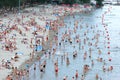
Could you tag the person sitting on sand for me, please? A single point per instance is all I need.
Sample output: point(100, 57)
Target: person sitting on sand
point(16, 56)
point(3, 62)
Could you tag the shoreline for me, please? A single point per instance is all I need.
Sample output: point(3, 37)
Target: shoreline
point(45, 46)
point(51, 36)
point(41, 53)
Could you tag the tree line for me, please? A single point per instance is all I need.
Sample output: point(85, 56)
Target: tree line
point(15, 3)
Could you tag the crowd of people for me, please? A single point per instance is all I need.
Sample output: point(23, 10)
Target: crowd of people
point(23, 29)
point(88, 46)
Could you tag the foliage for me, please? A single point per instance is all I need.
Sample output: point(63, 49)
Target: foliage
point(15, 3)
point(85, 1)
point(99, 3)
point(69, 2)
point(8, 3)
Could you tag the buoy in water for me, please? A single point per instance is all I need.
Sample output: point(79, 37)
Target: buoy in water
point(108, 47)
point(110, 59)
point(106, 31)
point(108, 52)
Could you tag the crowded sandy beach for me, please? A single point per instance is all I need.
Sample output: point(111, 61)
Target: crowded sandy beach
point(23, 36)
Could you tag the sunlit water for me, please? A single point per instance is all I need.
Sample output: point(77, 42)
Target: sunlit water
point(111, 19)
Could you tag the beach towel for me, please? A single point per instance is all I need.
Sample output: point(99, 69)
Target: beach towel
point(20, 53)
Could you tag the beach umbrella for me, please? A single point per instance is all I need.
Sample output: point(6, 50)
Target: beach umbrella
point(38, 48)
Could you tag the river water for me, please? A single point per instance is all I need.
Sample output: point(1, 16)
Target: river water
point(105, 24)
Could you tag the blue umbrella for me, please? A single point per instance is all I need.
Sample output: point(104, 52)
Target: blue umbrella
point(38, 48)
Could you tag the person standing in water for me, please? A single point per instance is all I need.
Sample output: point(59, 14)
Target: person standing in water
point(76, 74)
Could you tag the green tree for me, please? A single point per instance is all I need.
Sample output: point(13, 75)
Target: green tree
point(10, 3)
point(85, 1)
point(40, 1)
point(1, 3)
point(69, 2)
point(15, 3)
point(99, 3)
